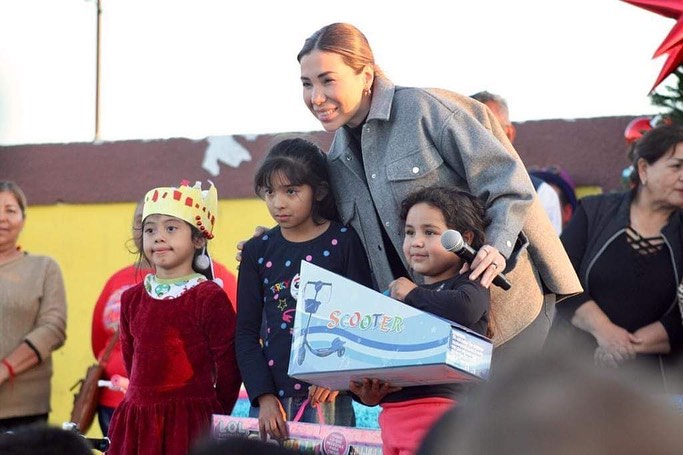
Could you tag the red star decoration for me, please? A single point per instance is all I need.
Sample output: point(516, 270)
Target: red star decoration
point(673, 43)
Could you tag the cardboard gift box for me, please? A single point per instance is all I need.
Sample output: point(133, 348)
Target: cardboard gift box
point(344, 331)
point(305, 437)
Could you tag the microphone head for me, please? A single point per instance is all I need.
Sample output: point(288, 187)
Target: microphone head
point(452, 240)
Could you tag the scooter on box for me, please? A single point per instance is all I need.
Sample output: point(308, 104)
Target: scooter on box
point(311, 306)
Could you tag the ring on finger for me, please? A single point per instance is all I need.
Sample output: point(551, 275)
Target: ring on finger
point(494, 265)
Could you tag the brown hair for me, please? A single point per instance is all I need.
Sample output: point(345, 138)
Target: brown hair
point(345, 40)
point(11, 187)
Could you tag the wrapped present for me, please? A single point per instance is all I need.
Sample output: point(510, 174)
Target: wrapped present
point(344, 331)
point(306, 437)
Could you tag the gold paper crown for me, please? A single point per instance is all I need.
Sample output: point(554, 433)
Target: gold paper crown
point(191, 204)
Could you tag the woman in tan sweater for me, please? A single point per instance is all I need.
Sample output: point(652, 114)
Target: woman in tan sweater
point(32, 319)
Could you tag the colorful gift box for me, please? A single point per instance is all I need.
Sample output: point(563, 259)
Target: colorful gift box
point(306, 437)
point(344, 331)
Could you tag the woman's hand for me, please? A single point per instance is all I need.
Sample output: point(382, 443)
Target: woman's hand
point(21, 359)
point(272, 419)
point(317, 394)
point(615, 345)
point(371, 391)
point(606, 358)
point(399, 289)
point(654, 339)
point(258, 231)
point(487, 264)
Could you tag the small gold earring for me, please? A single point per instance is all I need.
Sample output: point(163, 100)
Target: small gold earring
point(367, 92)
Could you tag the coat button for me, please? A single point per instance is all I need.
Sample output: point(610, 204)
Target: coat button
point(416, 170)
point(508, 243)
point(348, 157)
point(374, 176)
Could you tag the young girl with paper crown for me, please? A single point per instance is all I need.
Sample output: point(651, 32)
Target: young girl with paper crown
point(408, 413)
point(294, 183)
point(177, 331)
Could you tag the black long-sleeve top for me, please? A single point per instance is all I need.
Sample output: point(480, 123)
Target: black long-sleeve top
point(268, 284)
point(457, 299)
point(633, 286)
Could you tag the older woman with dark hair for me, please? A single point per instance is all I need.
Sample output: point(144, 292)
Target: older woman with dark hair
point(32, 319)
point(626, 248)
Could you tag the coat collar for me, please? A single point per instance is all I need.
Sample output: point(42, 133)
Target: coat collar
point(380, 109)
point(382, 99)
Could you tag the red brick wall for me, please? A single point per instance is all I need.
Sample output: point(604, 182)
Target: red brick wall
point(591, 150)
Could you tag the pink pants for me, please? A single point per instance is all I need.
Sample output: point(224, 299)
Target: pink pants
point(405, 424)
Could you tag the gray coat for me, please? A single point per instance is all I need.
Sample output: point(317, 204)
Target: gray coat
point(416, 138)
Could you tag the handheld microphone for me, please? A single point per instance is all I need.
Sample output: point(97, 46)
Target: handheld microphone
point(453, 242)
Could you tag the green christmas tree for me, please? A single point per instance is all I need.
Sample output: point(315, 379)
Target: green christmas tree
point(671, 99)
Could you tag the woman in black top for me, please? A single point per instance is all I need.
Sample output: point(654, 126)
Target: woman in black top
point(626, 249)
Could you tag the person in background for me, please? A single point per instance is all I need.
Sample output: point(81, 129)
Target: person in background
point(236, 445)
point(177, 331)
point(553, 404)
point(294, 183)
point(627, 248)
point(563, 185)
point(32, 319)
point(105, 319)
point(43, 440)
point(547, 195)
point(408, 413)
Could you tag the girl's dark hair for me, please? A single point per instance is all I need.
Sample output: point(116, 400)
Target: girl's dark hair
point(653, 146)
point(345, 40)
point(11, 187)
point(462, 211)
point(301, 162)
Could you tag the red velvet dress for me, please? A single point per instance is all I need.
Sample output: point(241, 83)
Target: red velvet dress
point(105, 320)
point(175, 350)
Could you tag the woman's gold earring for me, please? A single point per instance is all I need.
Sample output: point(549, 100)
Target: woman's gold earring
point(367, 92)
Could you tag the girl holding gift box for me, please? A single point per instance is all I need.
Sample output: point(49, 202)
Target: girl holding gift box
point(294, 183)
point(408, 413)
point(177, 331)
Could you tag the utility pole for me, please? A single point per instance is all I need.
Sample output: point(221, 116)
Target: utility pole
point(98, 5)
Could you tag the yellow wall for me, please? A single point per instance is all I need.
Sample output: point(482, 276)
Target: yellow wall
point(90, 243)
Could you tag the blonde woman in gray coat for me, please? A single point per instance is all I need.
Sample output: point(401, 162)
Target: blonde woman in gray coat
point(391, 140)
